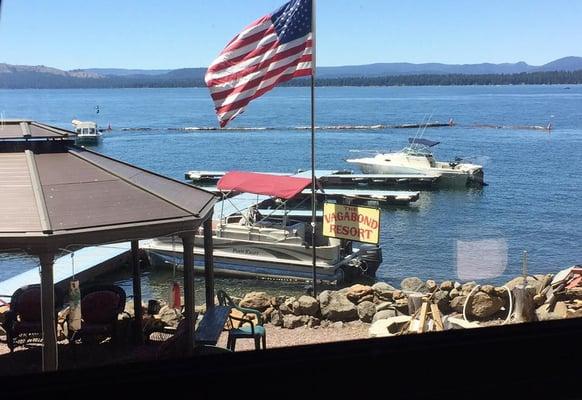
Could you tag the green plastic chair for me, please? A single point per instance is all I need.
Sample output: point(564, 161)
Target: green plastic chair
point(243, 327)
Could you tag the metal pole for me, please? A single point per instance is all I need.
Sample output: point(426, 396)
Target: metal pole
point(188, 252)
point(138, 312)
point(208, 262)
point(47, 292)
point(313, 199)
point(524, 268)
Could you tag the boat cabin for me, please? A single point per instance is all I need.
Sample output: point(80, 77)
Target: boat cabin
point(85, 128)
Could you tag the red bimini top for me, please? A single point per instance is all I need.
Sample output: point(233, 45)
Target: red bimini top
point(285, 187)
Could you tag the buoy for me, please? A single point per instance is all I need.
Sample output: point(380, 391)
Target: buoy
point(176, 300)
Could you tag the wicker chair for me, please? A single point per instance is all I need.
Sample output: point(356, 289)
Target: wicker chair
point(23, 322)
point(100, 309)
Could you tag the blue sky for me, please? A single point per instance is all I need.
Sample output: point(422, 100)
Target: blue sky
point(169, 34)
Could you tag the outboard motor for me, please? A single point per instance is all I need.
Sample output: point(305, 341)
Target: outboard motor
point(371, 257)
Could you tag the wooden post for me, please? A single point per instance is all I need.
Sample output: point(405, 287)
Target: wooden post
point(47, 293)
point(208, 262)
point(524, 310)
point(422, 318)
point(138, 321)
point(188, 246)
point(436, 317)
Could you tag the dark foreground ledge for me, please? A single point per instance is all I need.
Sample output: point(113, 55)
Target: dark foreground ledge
point(534, 360)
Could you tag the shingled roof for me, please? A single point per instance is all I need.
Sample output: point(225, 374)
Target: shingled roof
point(65, 194)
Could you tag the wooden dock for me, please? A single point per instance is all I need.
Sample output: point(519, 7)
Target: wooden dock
point(90, 262)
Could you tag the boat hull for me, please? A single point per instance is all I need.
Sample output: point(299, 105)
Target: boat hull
point(243, 260)
point(447, 176)
point(87, 139)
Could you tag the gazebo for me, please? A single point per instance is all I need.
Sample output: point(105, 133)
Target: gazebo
point(56, 194)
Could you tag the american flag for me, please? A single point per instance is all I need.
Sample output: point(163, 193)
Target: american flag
point(272, 50)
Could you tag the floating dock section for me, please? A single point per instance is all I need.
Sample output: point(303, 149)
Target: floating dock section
point(332, 178)
point(347, 178)
point(90, 262)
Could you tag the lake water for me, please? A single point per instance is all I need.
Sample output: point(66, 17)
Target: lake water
point(533, 201)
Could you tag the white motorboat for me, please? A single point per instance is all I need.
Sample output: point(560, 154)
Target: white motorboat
point(87, 132)
point(246, 245)
point(417, 158)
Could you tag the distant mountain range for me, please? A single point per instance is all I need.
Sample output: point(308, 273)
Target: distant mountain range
point(42, 77)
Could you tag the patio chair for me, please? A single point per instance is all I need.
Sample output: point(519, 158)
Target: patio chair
point(23, 322)
point(100, 309)
point(241, 326)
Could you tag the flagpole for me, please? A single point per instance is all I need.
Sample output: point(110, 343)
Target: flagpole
point(313, 198)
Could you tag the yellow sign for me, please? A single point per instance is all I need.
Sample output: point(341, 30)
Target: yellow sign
point(361, 224)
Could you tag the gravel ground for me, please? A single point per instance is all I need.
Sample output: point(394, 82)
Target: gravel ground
point(281, 337)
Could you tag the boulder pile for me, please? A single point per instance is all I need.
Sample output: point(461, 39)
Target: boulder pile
point(390, 310)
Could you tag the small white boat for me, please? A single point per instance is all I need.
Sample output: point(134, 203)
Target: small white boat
point(87, 132)
point(417, 158)
point(246, 245)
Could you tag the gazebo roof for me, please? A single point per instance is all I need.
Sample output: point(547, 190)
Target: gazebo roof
point(71, 195)
point(24, 129)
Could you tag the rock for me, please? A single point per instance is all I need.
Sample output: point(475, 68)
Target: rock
point(539, 299)
point(257, 300)
point(366, 311)
point(343, 291)
point(336, 325)
point(441, 299)
point(482, 305)
point(500, 291)
point(560, 311)
point(170, 316)
point(431, 285)
point(293, 321)
point(489, 289)
point(267, 313)
point(457, 303)
point(384, 314)
point(457, 285)
point(306, 305)
point(467, 287)
point(531, 281)
point(413, 284)
point(325, 323)
point(336, 306)
point(381, 287)
point(398, 294)
point(384, 306)
point(574, 293)
point(357, 292)
point(388, 327)
point(277, 318)
point(278, 300)
point(369, 297)
point(313, 322)
point(454, 293)
point(287, 306)
point(402, 305)
point(447, 286)
point(385, 296)
point(458, 323)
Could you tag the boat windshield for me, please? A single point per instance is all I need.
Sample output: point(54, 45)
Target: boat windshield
point(419, 147)
point(417, 150)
